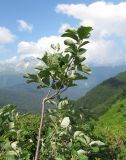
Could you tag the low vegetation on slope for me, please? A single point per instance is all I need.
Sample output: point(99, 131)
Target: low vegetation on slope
point(100, 98)
point(107, 103)
point(112, 126)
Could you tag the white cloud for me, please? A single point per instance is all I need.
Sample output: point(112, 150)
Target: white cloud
point(12, 59)
point(37, 49)
point(30, 48)
point(108, 21)
point(24, 26)
point(64, 27)
point(104, 17)
point(6, 36)
point(100, 53)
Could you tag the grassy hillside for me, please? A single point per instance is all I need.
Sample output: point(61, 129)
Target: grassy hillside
point(100, 98)
point(108, 103)
point(112, 126)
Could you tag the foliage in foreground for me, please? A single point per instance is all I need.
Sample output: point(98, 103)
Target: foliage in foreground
point(17, 134)
point(67, 135)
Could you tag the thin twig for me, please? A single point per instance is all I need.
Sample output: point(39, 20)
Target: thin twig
point(40, 127)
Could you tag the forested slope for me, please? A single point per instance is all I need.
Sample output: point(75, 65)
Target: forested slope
point(100, 98)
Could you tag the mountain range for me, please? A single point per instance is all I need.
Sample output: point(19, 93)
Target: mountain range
point(14, 90)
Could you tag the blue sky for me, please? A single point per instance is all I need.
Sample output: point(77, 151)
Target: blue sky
point(41, 13)
point(45, 21)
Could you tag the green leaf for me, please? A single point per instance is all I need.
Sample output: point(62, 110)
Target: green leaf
point(66, 60)
point(85, 69)
point(83, 157)
point(81, 152)
point(77, 133)
point(57, 85)
point(69, 42)
point(97, 143)
point(32, 78)
point(81, 51)
point(11, 125)
point(83, 43)
point(71, 34)
point(77, 76)
point(39, 68)
point(84, 32)
point(87, 139)
point(63, 103)
point(95, 149)
point(44, 74)
point(14, 145)
point(82, 140)
point(52, 102)
point(41, 86)
point(69, 49)
point(45, 58)
point(7, 108)
point(65, 122)
point(79, 59)
point(46, 81)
